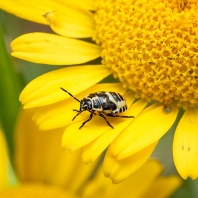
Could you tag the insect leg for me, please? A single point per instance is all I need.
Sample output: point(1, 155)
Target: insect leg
point(80, 108)
point(87, 110)
point(70, 94)
point(113, 115)
point(91, 112)
point(101, 115)
point(91, 115)
point(126, 116)
point(79, 112)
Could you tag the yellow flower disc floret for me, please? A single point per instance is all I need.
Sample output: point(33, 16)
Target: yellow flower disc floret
point(151, 46)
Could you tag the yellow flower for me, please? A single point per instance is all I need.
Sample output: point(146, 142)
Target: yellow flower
point(151, 46)
point(45, 170)
point(4, 165)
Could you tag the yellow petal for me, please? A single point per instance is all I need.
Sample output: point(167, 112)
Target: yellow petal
point(69, 170)
point(53, 49)
point(80, 174)
point(163, 187)
point(185, 147)
point(36, 190)
point(63, 163)
point(94, 186)
point(36, 8)
point(136, 186)
point(75, 138)
point(4, 165)
point(31, 10)
point(61, 113)
point(143, 131)
point(38, 154)
point(72, 23)
point(92, 150)
point(119, 170)
point(46, 153)
point(151, 107)
point(46, 90)
point(86, 4)
point(137, 182)
point(28, 168)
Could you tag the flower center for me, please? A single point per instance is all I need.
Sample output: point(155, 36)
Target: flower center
point(151, 46)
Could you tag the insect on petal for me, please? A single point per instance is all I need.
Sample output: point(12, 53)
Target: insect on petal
point(61, 113)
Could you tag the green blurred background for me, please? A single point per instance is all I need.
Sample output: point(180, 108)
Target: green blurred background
point(15, 74)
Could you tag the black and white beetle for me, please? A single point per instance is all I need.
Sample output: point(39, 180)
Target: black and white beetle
point(108, 103)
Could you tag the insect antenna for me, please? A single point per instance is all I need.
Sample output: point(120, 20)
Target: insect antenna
point(70, 94)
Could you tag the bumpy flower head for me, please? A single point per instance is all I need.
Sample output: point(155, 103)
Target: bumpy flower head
point(151, 46)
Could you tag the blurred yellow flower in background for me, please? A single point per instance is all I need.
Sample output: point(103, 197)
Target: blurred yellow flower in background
point(150, 46)
point(43, 169)
point(4, 165)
